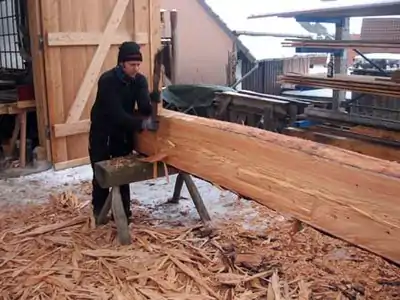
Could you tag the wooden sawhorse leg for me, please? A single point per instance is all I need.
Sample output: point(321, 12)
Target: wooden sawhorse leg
point(19, 128)
point(177, 189)
point(194, 194)
point(22, 140)
point(114, 203)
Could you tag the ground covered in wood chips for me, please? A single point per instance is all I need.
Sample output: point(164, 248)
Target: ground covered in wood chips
point(53, 251)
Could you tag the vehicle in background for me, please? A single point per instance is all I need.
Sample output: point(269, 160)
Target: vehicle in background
point(386, 61)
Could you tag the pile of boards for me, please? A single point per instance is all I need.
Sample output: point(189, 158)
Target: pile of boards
point(349, 195)
point(341, 44)
point(357, 83)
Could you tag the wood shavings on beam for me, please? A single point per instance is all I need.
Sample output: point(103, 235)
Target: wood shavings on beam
point(50, 251)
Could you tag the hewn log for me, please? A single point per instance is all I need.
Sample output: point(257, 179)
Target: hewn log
point(349, 195)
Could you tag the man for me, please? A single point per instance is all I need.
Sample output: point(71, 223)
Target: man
point(113, 119)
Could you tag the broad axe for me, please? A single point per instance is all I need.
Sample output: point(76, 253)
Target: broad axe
point(155, 95)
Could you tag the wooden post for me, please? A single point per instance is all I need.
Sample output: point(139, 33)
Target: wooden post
point(39, 80)
point(114, 203)
point(22, 140)
point(162, 20)
point(342, 33)
point(14, 136)
point(177, 189)
point(197, 200)
point(121, 220)
point(103, 216)
point(174, 46)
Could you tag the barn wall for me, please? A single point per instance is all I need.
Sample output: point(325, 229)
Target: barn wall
point(264, 79)
point(202, 44)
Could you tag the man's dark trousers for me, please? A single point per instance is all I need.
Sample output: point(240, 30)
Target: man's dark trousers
point(103, 147)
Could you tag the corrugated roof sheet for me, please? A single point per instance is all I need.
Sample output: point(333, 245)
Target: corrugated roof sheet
point(336, 9)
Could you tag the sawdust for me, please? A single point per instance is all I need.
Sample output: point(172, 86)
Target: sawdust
point(52, 251)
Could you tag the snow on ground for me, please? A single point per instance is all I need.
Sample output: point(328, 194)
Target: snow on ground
point(149, 195)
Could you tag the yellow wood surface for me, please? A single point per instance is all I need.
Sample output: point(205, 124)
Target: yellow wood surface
point(349, 195)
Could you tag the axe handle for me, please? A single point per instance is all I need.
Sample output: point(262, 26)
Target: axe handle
point(156, 80)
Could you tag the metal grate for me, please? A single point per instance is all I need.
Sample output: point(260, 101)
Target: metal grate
point(10, 57)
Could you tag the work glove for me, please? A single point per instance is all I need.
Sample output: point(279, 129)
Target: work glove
point(150, 124)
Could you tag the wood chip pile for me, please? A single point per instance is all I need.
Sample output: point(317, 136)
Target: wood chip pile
point(52, 251)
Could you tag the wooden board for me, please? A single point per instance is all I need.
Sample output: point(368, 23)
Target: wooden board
point(389, 135)
point(320, 135)
point(357, 83)
point(81, 40)
point(349, 195)
point(39, 80)
point(17, 107)
point(341, 44)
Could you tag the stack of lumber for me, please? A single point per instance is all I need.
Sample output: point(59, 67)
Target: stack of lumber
point(51, 251)
point(349, 195)
point(341, 44)
point(347, 139)
point(395, 77)
point(357, 83)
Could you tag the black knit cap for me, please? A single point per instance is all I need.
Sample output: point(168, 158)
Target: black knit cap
point(129, 51)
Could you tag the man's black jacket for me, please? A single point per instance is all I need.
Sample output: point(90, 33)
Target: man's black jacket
point(113, 120)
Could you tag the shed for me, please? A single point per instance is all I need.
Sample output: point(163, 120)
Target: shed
point(71, 43)
point(209, 48)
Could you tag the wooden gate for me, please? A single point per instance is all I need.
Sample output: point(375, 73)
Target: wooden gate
point(81, 39)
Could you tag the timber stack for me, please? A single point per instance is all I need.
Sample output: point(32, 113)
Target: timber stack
point(341, 44)
point(351, 196)
point(357, 83)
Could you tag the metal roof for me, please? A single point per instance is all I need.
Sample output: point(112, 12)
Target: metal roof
point(377, 8)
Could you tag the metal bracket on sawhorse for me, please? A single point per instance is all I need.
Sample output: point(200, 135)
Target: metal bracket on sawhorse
point(118, 171)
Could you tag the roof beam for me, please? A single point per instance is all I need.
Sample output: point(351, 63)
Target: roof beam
point(383, 8)
point(270, 34)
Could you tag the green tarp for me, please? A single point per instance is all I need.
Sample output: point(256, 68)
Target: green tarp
point(192, 95)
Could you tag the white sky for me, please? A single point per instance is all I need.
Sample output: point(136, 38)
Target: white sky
point(234, 13)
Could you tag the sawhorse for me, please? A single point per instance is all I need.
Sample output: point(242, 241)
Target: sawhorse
point(118, 171)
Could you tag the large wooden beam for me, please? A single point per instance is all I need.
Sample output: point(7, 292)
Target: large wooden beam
point(349, 195)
